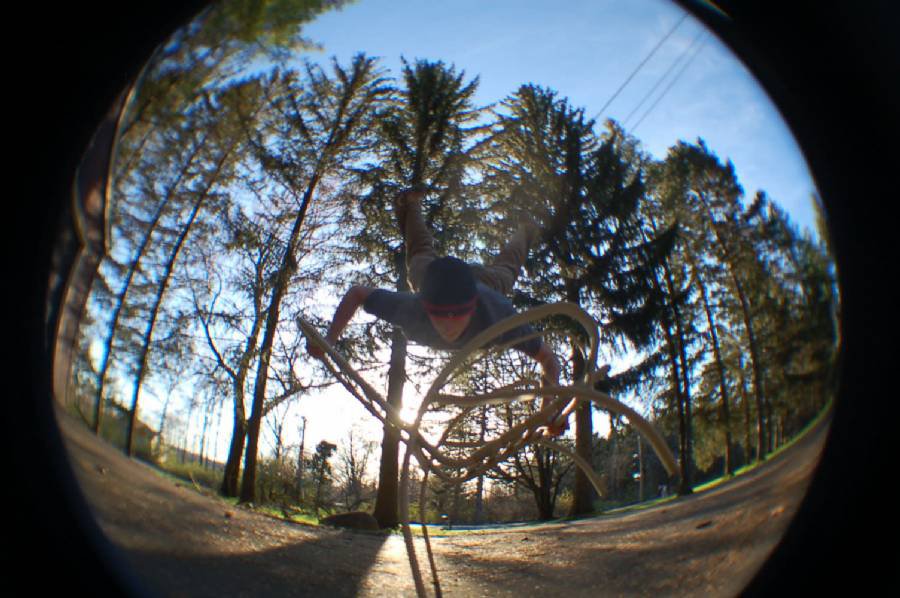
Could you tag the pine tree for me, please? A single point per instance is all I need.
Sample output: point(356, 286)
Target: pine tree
point(588, 188)
point(424, 142)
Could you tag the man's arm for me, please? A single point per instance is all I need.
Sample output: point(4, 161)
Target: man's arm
point(549, 364)
point(551, 371)
point(354, 297)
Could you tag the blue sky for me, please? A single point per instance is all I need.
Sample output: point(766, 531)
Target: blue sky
point(586, 49)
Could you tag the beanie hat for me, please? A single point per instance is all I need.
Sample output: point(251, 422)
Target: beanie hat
point(448, 288)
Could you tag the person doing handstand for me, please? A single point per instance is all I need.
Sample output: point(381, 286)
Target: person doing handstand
point(453, 301)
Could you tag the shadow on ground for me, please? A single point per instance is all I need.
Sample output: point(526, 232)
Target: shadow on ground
point(179, 542)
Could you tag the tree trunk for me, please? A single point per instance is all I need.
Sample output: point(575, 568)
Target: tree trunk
point(387, 498)
point(678, 360)
point(123, 292)
point(720, 368)
point(151, 322)
point(543, 493)
point(162, 420)
point(233, 463)
point(203, 436)
point(756, 369)
point(300, 461)
point(583, 490)
point(479, 484)
point(687, 411)
point(285, 270)
point(745, 401)
point(684, 486)
point(231, 478)
point(613, 457)
point(640, 452)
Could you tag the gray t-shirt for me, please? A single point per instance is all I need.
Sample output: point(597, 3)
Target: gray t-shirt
point(406, 311)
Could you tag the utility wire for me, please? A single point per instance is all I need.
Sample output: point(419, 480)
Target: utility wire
point(663, 78)
point(668, 87)
point(641, 65)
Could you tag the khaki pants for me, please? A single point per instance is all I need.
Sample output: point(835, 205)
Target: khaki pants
point(499, 275)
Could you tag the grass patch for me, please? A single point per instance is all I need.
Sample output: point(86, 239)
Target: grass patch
point(287, 513)
point(189, 477)
point(193, 473)
point(441, 532)
point(207, 483)
point(640, 506)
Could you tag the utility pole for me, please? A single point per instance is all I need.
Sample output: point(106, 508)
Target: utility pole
point(640, 469)
point(300, 459)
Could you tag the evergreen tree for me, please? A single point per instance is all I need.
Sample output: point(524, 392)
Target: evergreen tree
point(540, 146)
point(675, 339)
point(424, 142)
point(694, 177)
point(321, 472)
point(588, 188)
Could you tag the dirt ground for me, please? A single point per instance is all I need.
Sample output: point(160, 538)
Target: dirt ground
point(181, 542)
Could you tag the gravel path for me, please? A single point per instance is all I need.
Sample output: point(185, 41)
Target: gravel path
point(181, 542)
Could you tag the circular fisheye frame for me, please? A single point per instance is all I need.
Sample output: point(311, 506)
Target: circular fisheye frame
point(645, 396)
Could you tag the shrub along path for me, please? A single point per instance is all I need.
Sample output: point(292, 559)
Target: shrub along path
point(180, 542)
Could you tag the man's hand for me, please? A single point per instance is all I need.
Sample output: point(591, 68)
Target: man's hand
point(554, 431)
point(318, 351)
point(551, 429)
point(355, 297)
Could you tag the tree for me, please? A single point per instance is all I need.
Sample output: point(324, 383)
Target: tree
point(796, 309)
point(541, 471)
point(251, 250)
point(352, 470)
point(321, 127)
point(715, 192)
point(423, 142)
point(588, 188)
point(677, 335)
point(131, 267)
point(224, 143)
point(161, 117)
point(321, 472)
point(541, 144)
point(534, 468)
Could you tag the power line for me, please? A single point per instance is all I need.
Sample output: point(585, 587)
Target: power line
point(668, 87)
point(641, 65)
point(659, 82)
